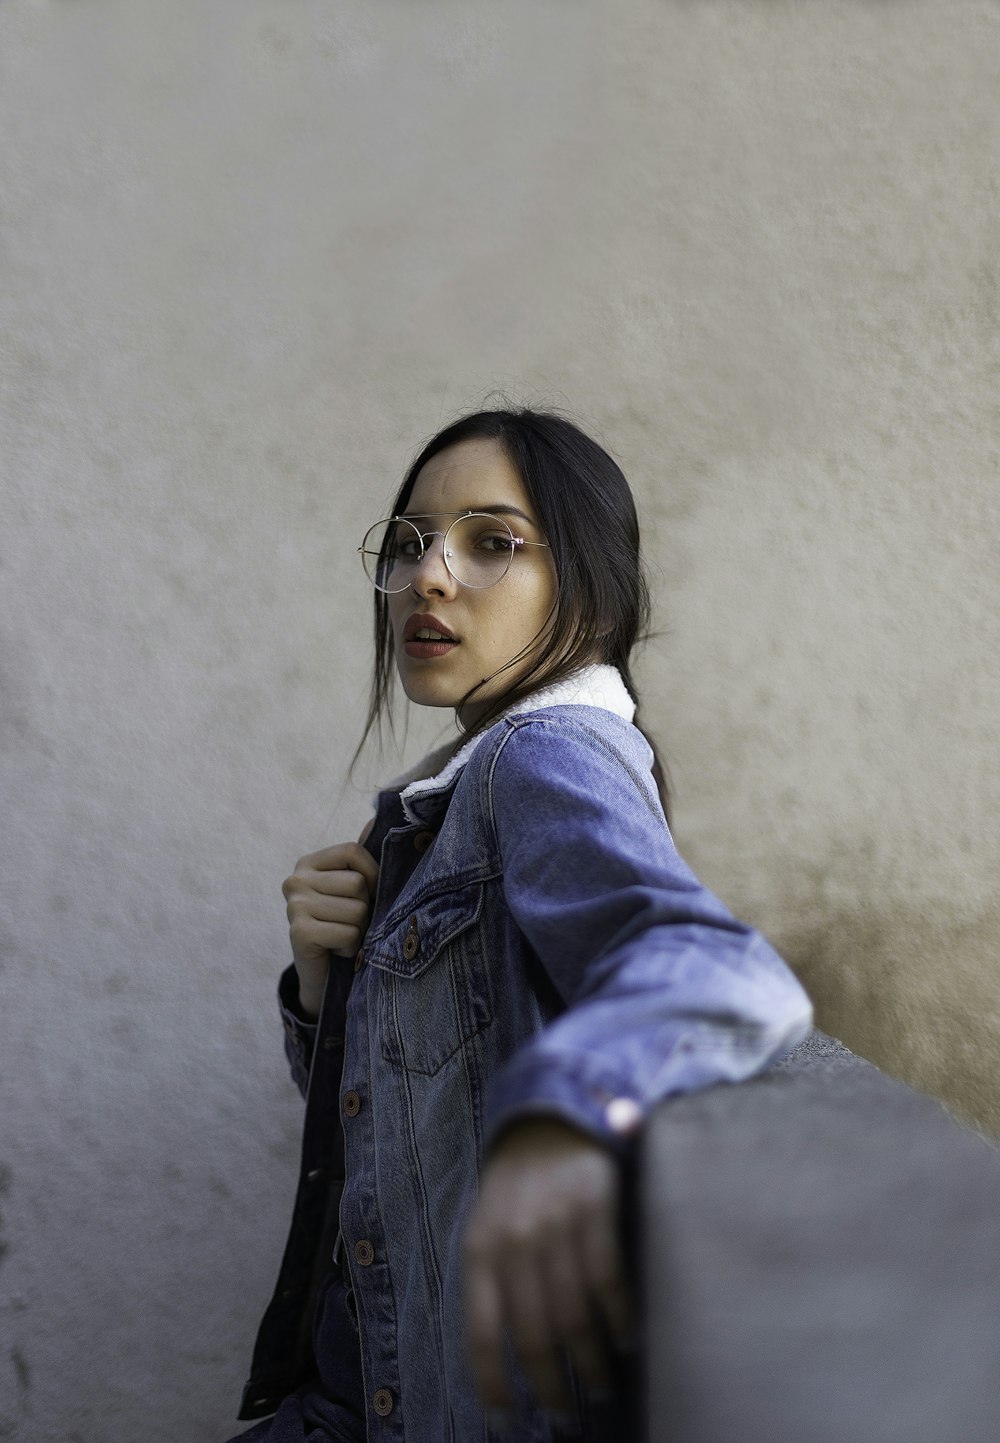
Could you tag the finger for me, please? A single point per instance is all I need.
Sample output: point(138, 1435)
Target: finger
point(532, 1331)
point(349, 911)
point(312, 936)
point(573, 1317)
point(484, 1333)
point(351, 856)
point(362, 861)
point(342, 883)
point(325, 858)
point(604, 1271)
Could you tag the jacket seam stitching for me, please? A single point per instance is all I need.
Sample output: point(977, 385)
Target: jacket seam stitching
point(569, 724)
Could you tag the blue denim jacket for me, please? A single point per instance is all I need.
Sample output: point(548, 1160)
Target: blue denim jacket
point(536, 946)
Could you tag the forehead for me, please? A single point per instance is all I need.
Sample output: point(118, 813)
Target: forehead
point(466, 476)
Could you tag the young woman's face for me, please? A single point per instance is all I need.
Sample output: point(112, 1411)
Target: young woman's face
point(490, 625)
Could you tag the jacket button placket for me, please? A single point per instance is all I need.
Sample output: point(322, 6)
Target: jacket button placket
point(361, 1220)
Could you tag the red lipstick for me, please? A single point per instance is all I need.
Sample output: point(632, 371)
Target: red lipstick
point(426, 647)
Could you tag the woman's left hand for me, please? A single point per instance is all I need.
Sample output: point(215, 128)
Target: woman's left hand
point(543, 1263)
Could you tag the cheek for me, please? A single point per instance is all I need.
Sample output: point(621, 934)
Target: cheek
point(395, 621)
point(529, 620)
point(546, 599)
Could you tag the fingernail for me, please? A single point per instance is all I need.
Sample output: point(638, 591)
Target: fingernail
point(498, 1420)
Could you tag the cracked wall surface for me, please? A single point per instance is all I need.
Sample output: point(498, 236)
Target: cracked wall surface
point(252, 255)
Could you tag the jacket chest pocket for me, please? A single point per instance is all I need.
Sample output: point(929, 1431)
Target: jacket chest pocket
point(435, 993)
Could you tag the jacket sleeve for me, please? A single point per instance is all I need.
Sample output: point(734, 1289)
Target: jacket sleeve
point(664, 990)
point(300, 1036)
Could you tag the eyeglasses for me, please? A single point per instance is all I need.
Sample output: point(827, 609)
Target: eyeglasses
point(478, 549)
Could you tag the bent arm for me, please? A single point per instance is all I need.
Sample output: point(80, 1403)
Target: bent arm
point(665, 991)
point(298, 1003)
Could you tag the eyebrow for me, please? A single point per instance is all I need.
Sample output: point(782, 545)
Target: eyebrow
point(500, 509)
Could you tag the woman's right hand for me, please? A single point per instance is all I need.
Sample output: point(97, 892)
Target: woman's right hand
point(329, 898)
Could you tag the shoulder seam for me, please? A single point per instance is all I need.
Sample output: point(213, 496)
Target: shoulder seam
point(516, 723)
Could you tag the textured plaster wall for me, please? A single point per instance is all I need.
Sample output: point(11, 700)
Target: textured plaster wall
point(251, 255)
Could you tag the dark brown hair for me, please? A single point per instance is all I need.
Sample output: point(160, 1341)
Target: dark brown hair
point(587, 515)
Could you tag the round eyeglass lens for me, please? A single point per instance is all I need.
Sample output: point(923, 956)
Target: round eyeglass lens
point(477, 551)
point(390, 551)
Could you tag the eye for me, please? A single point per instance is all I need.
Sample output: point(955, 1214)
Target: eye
point(407, 548)
point(495, 542)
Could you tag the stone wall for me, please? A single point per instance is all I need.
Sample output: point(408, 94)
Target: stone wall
point(253, 254)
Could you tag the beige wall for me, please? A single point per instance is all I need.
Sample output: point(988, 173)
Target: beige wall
point(253, 253)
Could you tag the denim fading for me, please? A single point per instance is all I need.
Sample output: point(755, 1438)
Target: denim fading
point(536, 946)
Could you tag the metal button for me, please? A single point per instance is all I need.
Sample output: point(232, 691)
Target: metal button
point(422, 840)
point(364, 1252)
point(314, 1175)
point(352, 1104)
point(359, 960)
point(411, 942)
point(383, 1402)
point(623, 1114)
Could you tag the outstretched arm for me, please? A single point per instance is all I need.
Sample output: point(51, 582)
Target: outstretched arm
point(664, 991)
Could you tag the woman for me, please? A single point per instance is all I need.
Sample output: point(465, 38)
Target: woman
point(534, 967)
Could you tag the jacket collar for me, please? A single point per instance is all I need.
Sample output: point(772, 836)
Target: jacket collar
point(595, 685)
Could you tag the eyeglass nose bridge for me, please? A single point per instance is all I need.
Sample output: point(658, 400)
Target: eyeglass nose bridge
point(425, 550)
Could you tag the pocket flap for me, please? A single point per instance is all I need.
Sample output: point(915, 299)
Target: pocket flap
point(409, 946)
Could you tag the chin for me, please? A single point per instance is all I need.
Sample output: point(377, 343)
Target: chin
point(424, 691)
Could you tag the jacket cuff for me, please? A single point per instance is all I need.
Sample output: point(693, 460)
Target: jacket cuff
point(300, 1036)
point(572, 1088)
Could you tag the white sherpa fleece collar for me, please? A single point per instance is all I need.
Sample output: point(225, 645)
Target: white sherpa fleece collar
point(595, 685)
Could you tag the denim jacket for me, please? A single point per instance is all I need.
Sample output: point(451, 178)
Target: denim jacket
point(536, 946)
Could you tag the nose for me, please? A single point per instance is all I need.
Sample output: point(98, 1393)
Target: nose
point(432, 577)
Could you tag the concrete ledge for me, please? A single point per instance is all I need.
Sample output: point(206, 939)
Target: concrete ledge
point(822, 1251)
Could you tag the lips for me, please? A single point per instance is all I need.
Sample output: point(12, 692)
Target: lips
point(423, 621)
